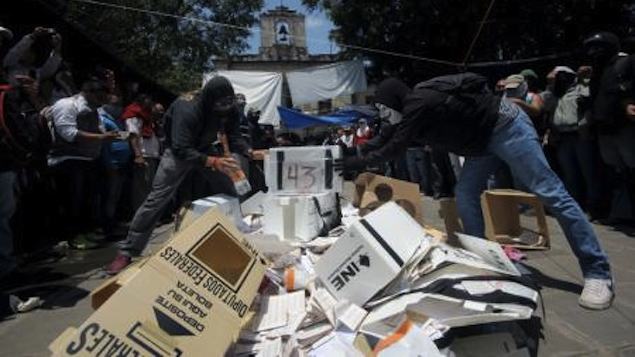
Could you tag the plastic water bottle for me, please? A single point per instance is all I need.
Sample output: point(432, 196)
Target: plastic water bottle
point(238, 177)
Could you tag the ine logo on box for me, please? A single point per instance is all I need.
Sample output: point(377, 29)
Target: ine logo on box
point(349, 271)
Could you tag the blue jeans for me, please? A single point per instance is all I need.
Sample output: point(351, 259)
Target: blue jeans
point(516, 143)
point(418, 167)
point(7, 208)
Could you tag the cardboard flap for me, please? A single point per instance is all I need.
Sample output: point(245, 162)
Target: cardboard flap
point(501, 213)
point(58, 344)
point(189, 298)
point(371, 191)
point(103, 292)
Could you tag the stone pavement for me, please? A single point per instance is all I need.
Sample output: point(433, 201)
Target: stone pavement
point(567, 330)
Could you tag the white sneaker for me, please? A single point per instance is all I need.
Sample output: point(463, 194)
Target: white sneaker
point(597, 294)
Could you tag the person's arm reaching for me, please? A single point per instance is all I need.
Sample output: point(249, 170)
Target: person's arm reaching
point(54, 61)
point(184, 131)
point(237, 143)
point(12, 58)
point(134, 127)
point(534, 109)
point(65, 121)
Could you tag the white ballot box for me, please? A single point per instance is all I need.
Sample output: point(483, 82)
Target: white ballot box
point(302, 170)
point(301, 217)
point(228, 205)
point(376, 249)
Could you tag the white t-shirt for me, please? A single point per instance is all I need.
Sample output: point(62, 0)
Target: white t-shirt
point(150, 147)
point(347, 140)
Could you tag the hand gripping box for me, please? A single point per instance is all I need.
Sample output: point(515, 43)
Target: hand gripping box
point(302, 170)
point(371, 255)
point(301, 217)
point(188, 299)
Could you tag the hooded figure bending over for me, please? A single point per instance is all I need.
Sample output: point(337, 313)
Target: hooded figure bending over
point(460, 115)
point(192, 127)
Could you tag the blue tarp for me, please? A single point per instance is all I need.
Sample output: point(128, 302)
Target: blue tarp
point(297, 120)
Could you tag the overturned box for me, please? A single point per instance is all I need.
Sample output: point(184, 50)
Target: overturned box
point(190, 298)
point(103, 292)
point(302, 170)
point(301, 217)
point(372, 254)
point(371, 191)
point(501, 212)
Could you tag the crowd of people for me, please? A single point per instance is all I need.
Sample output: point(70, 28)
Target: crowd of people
point(87, 159)
point(75, 143)
point(82, 156)
point(586, 140)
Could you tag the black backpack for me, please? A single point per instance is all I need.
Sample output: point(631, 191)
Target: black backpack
point(25, 135)
point(467, 87)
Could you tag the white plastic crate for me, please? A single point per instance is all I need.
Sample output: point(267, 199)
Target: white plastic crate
point(302, 170)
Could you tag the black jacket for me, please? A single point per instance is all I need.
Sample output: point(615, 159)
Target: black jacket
point(611, 90)
point(445, 122)
point(192, 128)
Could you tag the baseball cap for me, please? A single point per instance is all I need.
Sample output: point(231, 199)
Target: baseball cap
point(526, 73)
point(514, 81)
point(564, 69)
point(6, 33)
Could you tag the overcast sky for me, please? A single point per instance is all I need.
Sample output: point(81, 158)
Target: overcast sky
point(317, 28)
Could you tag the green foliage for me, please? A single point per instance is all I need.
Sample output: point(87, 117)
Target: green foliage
point(444, 29)
point(172, 51)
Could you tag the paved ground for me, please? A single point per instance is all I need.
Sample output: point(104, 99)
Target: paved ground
point(567, 330)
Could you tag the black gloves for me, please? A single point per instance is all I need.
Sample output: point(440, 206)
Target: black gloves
point(349, 164)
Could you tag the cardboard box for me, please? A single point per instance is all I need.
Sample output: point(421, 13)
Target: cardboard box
point(302, 170)
point(103, 292)
point(501, 212)
point(228, 205)
point(373, 253)
point(301, 217)
point(188, 299)
point(371, 191)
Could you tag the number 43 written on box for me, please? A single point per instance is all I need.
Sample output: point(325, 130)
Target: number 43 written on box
point(301, 176)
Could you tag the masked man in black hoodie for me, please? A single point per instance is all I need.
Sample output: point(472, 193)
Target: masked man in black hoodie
point(460, 115)
point(192, 126)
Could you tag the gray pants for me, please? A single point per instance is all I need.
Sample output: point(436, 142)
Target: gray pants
point(169, 176)
point(142, 179)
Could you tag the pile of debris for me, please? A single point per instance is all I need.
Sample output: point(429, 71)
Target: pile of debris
point(301, 271)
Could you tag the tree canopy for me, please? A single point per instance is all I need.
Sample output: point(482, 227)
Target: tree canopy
point(173, 51)
point(444, 29)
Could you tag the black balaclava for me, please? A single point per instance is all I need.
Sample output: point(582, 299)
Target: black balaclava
point(392, 93)
point(601, 47)
point(216, 88)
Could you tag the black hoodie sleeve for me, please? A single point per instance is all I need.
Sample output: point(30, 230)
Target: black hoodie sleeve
point(185, 129)
point(393, 147)
point(237, 143)
point(395, 141)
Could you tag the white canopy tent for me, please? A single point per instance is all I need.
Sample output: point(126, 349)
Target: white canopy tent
point(262, 90)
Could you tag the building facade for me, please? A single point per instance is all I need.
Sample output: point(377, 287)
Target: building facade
point(283, 46)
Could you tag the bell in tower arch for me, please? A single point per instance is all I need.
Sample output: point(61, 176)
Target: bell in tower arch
point(282, 34)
